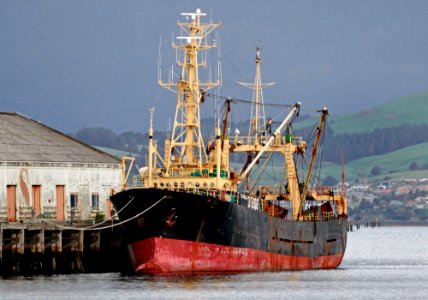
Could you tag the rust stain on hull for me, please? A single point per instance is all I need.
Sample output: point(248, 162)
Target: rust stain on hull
point(162, 255)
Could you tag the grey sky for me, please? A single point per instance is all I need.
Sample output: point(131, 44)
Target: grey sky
point(74, 64)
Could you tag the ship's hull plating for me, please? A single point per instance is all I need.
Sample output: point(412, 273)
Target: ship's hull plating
point(187, 233)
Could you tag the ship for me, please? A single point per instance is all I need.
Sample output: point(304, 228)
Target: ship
point(195, 211)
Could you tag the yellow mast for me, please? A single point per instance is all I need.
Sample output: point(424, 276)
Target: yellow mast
point(272, 143)
point(185, 163)
point(258, 118)
point(187, 145)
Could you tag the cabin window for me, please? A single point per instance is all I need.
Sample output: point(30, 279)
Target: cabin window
point(74, 200)
point(95, 201)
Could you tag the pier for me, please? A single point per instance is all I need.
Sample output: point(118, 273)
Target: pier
point(41, 248)
point(358, 225)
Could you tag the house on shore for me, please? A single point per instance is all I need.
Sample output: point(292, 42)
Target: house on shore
point(47, 174)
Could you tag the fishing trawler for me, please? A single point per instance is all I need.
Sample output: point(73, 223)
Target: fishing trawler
point(196, 212)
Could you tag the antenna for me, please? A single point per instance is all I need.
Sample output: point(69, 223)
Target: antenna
point(219, 65)
point(160, 60)
point(219, 77)
point(151, 110)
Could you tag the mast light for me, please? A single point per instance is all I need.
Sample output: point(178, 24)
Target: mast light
point(197, 13)
point(188, 37)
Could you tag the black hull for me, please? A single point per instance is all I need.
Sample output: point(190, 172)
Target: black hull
point(205, 219)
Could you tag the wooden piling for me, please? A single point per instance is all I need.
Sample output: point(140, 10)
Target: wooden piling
point(34, 249)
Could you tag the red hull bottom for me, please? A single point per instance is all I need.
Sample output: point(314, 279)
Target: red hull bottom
point(162, 255)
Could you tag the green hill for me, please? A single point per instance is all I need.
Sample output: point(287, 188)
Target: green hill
point(394, 164)
point(409, 109)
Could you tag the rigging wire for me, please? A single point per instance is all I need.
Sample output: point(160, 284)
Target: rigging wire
point(312, 133)
point(277, 116)
point(235, 100)
point(260, 171)
point(273, 169)
point(303, 169)
point(277, 105)
point(233, 66)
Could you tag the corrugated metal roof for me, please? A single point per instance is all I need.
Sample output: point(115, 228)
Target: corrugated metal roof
point(24, 139)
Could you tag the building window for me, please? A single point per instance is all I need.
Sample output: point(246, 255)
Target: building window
point(95, 201)
point(74, 201)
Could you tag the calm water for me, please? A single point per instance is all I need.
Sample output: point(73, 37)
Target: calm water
point(380, 263)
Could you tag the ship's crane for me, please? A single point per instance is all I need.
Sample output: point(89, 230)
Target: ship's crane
point(320, 129)
point(294, 112)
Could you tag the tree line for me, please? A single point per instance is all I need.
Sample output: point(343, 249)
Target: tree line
point(380, 141)
point(353, 145)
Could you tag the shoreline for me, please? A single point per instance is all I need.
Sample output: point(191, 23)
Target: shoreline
point(403, 223)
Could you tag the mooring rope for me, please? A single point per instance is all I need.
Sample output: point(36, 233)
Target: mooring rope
point(113, 216)
point(90, 228)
